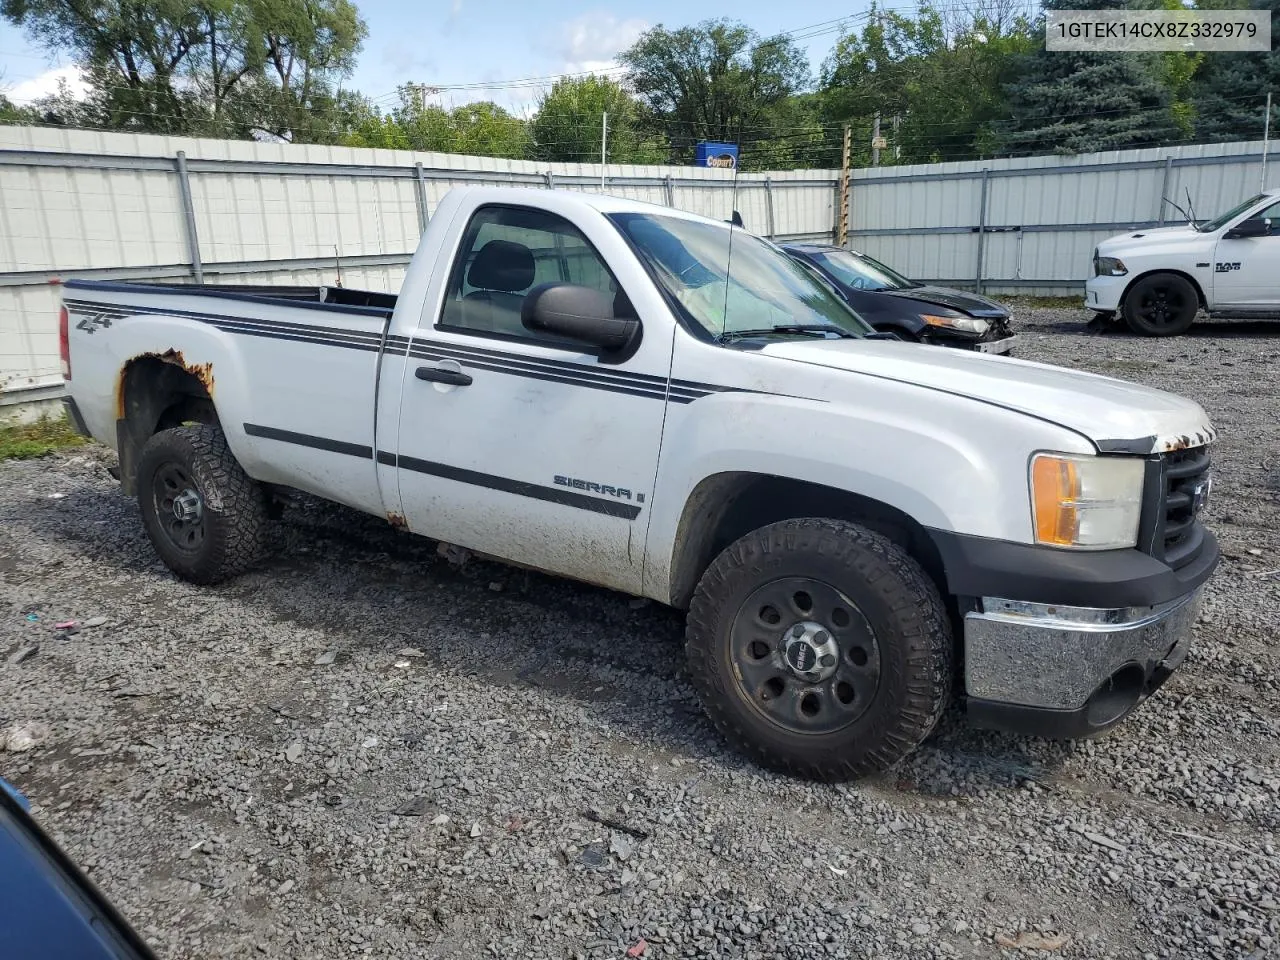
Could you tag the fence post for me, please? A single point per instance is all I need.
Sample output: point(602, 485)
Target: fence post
point(551, 180)
point(671, 192)
point(842, 213)
point(982, 227)
point(1164, 187)
point(768, 205)
point(420, 188)
point(189, 216)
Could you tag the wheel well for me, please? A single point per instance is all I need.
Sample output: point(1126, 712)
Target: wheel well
point(1195, 284)
point(727, 506)
point(156, 392)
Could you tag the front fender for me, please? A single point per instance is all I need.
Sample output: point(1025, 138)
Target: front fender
point(949, 463)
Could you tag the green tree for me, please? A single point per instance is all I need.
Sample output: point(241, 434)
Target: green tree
point(717, 80)
point(12, 113)
point(479, 129)
point(936, 84)
point(568, 124)
point(1077, 102)
point(1229, 91)
point(213, 67)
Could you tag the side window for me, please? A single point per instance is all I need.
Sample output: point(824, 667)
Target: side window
point(505, 252)
point(1272, 215)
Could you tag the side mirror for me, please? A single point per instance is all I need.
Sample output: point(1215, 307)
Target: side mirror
point(1248, 228)
point(578, 313)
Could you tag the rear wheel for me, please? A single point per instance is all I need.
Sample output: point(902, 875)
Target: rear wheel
point(205, 517)
point(820, 648)
point(1161, 305)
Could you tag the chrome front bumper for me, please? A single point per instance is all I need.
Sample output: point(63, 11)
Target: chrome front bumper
point(1086, 666)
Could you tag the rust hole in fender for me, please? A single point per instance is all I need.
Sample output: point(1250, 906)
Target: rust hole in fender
point(201, 371)
point(397, 520)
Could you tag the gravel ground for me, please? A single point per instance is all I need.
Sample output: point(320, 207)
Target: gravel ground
point(362, 750)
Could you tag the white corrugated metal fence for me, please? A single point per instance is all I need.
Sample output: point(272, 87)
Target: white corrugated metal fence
point(77, 203)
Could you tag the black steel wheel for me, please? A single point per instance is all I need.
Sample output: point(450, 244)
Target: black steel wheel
point(820, 648)
point(178, 507)
point(804, 655)
point(1161, 305)
point(205, 517)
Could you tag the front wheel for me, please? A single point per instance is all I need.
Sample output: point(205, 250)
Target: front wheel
point(820, 649)
point(205, 517)
point(1161, 305)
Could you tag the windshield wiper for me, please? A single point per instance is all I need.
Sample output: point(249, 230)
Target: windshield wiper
point(815, 329)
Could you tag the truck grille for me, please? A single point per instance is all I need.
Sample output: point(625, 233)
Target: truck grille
point(1179, 534)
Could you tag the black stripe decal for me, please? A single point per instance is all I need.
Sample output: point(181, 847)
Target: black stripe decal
point(611, 387)
point(307, 440)
point(333, 336)
point(462, 353)
point(217, 317)
point(535, 368)
point(567, 498)
point(368, 347)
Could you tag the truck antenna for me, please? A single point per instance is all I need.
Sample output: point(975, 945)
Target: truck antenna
point(735, 223)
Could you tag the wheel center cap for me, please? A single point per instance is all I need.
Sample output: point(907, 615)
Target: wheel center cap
point(810, 651)
point(186, 505)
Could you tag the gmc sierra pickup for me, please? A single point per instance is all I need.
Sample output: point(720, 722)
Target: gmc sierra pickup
point(668, 406)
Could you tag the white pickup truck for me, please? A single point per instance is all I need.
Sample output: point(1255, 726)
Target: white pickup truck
point(1159, 279)
point(667, 406)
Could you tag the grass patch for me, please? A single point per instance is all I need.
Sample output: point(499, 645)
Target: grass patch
point(26, 441)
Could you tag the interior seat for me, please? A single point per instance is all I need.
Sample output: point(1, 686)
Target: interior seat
point(502, 272)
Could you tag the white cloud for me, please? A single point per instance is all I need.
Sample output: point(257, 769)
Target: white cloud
point(590, 42)
point(47, 83)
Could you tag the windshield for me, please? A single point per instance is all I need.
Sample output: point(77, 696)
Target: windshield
point(1222, 221)
point(861, 272)
point(759, 289)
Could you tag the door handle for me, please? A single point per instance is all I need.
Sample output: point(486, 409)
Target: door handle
point(441, 375)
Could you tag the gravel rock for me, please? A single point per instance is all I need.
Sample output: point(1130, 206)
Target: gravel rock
point(521, 708)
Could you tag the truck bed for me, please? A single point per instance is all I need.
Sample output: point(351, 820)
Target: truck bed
point(286, 296)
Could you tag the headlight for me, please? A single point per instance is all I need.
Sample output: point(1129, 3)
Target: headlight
point(957, 322)
point(1109, 267)
point(1087, 502)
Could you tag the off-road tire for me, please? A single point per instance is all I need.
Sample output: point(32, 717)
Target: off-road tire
point(1161, 305)
point(897, 600)
point(237, 525)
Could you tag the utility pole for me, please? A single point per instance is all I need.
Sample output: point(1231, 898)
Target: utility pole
point(842, 227)
point(604, 144)
point(423, 91)
point(875, 141)
point(1266, 137)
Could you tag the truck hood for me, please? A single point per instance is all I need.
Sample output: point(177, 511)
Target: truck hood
point(1117, 416)
point(1156, 239)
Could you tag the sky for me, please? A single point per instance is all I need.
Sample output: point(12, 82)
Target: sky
point(460, 44)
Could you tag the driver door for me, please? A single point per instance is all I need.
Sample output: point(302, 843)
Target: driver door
point(519, 445)
point(1246, 271)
